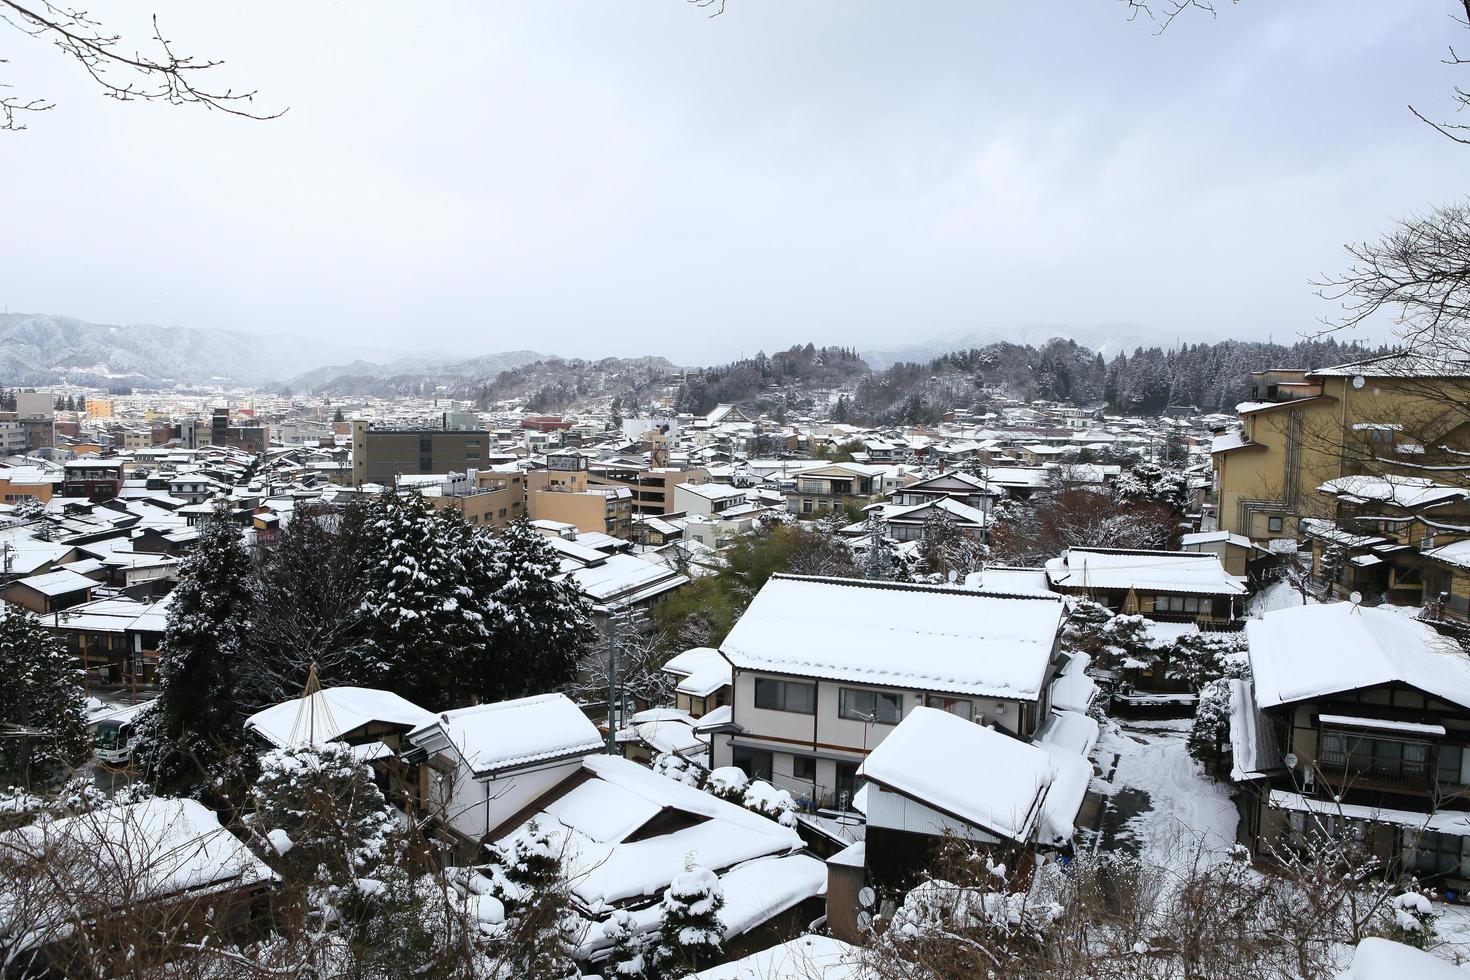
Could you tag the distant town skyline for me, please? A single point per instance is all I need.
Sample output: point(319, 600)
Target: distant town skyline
point(600, 181)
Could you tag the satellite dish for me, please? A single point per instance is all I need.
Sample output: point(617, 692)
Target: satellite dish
point(1290, 760)
point(864, 921)
point(1355, 598)
point(1359, 381)
point(866, 897)
point(953, 575)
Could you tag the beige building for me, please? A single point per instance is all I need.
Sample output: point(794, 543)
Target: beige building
point(485, 498)
point(651, 487)
point(564, 493)
point(1392, 414)
point(383, 455)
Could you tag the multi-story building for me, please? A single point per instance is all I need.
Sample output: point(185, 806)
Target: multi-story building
point(1355, 723)
point(485, 498)
point(92, 478)
point(824, 669)
point(651, 487)
point(382, 455)
point(1392, 414)
point(823, 489)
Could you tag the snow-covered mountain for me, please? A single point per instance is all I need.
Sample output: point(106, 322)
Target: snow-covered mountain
point(41, 349)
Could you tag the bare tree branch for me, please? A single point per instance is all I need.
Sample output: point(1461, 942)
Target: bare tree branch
point(163, 77)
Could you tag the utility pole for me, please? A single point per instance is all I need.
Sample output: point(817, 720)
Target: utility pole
point(612, 680)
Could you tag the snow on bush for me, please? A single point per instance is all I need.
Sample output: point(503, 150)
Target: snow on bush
point(324, 802)
point(769, 801)
point(691, 936)
point(1412, 920)
point(728, 783)
point(940, 908)
point(676, 767)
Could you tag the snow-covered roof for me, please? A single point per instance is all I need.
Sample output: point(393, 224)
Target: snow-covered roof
point(1456, 553)
point(806, 958)
point(1317, 650)
point(1073, 690)
point(701, 670)
point(1009, 580)
point(620, 575)
point(919, 637)
point(1188, 572)
point(57, 583)
point(1401, 491)
point(509, 734)
point(1214, 537)
point(149, 850)
point(329, 714)
point(965, 771)
point(592, 823)
point(711, 491)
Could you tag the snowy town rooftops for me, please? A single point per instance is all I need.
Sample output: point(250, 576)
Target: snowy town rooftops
point(1399, 364)
point(917, 637)
point(964, 771)
point(1401, 491)
point(1145, 571)
point(509, 734)
point(334, 713)
point(1313, 651)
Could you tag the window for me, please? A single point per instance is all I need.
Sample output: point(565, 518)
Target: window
point(777, 695)
point(1273, 524)
point(755, 763)
point(1434, 853)
point(879, 706)
point(955, 706)
point(804, 768)
point(846, 784)
point(1381, 760)
point(1178, 603)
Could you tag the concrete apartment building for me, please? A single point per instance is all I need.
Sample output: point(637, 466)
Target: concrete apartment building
point(651, 487)
point(1385, 415)
point(383, 455)
point(563, 492)
point(36, 413)
point(485, 498)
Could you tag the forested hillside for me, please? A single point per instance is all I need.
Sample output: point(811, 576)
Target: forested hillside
point(1211, 377)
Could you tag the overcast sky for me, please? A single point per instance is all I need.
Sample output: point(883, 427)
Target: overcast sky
point(635, 177)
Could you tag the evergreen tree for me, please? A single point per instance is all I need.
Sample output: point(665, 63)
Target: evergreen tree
point(628, 958)
point(615, 415)
point(190, 740)
point(42, 696)
point(337, 416)
point(335, 821)
point(691, 936)
point(308, 591)
point(541, 623)
point(419, 622)
point(527, 877)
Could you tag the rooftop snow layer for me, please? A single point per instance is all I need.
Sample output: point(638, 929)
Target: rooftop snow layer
point(916, 637)
point(1312, 651)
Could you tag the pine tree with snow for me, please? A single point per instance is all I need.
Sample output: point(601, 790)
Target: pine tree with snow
point(190, 741)
point(419, 623)
point(691, 936)
point(628, 957)
point(42, 695)
point(528, 879)
point(322, 812)
point(29, 509)
point(541, 623)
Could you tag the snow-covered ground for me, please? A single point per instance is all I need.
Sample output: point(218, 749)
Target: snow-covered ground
point(1278, 595)
point(1171, 810)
